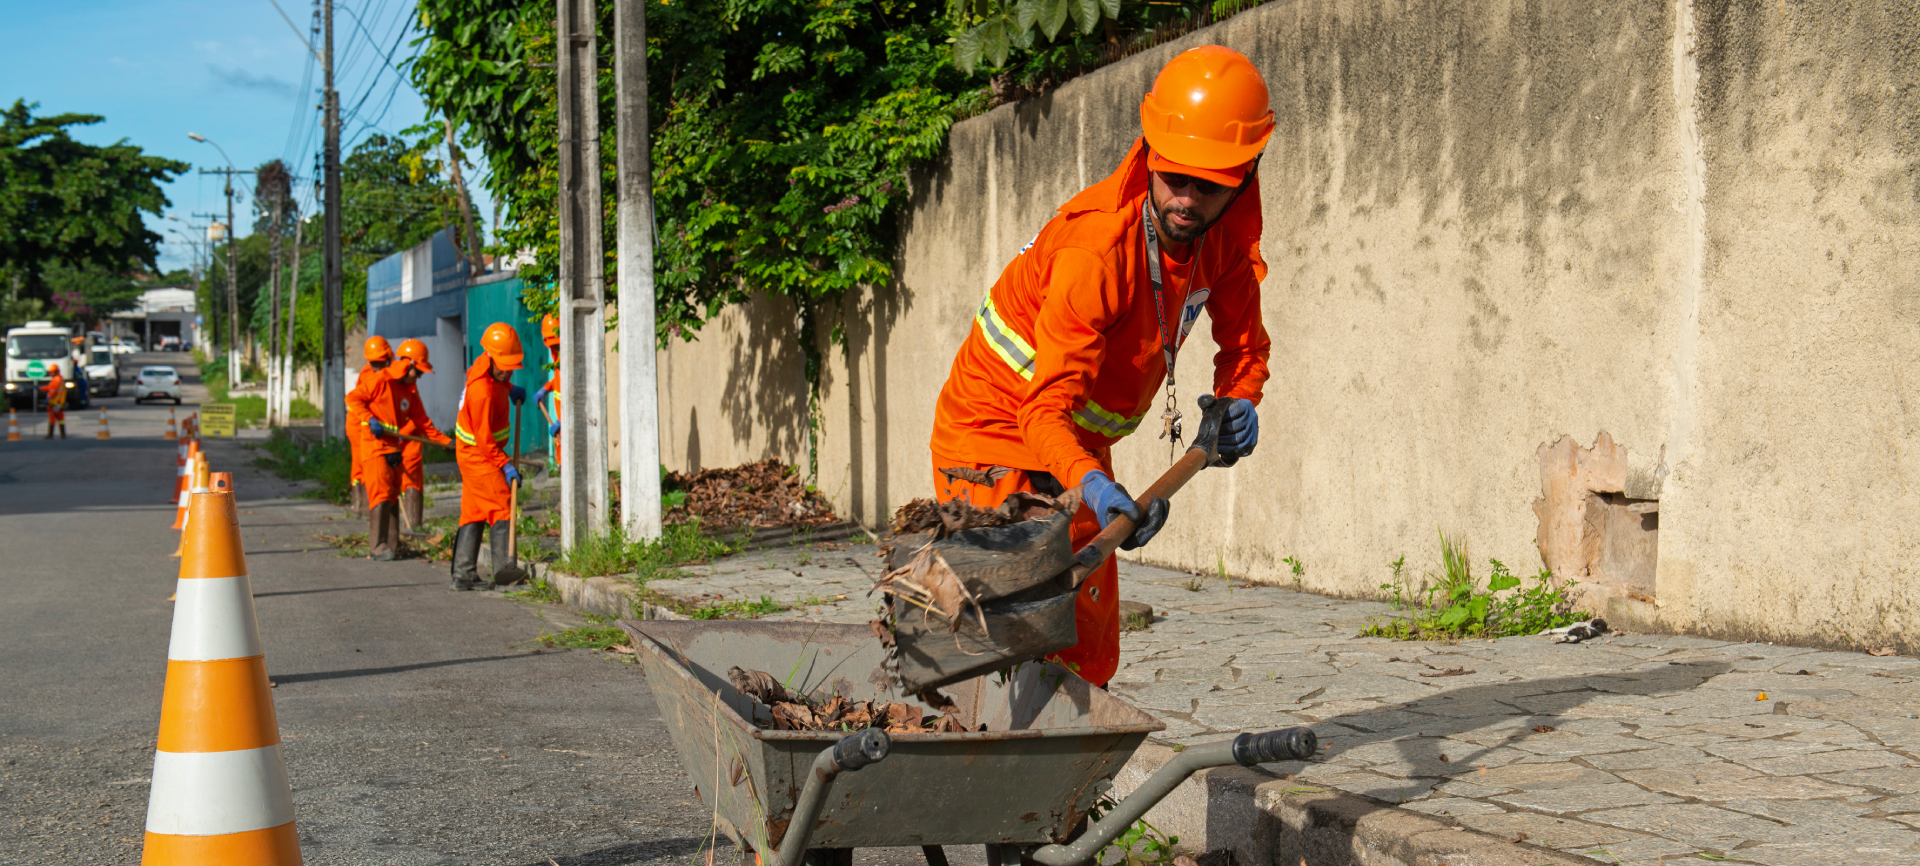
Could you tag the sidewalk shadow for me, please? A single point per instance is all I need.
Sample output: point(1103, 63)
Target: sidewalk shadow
point(678, 849)
point(292, 679)
point(1523, 706)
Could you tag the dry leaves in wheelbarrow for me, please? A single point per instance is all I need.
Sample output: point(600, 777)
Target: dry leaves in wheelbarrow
point(795, 712)
point(927, 582)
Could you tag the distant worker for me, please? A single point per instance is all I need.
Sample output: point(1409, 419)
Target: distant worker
point(1070, 347)
point(486, 474)
point(550, 334)
point(412, 414)
point(56, 389)
point(378, 401)
point(379, 354)
point(83, 393)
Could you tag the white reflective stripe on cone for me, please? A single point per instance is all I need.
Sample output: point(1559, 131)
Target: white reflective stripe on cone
point(215, 793)
point(213, 620)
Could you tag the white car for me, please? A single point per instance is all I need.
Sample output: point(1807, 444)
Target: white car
point(125, 347)
point(103, 375)
point(156, 382)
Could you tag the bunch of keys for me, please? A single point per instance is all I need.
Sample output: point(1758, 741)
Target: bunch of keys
point(1170, 421)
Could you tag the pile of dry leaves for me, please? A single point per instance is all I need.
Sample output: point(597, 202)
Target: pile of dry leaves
point(764, 494)
point(796, 712)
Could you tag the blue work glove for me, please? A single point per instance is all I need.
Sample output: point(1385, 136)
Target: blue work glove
point(511, 473)
point(1240, 431)
point(517, 394)
point(553, 429)
point(380, 428)
point(1107, 498)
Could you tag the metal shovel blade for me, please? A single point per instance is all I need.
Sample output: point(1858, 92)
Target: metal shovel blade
point(1020, 629)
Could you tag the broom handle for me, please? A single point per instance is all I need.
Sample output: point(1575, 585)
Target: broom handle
point(513, 503)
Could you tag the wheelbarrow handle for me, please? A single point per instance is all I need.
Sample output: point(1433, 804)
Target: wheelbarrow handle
point(1247, 750)
point(1204, 452)
point(851, 753)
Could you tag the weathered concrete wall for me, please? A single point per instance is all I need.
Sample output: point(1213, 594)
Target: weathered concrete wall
point(1489, 226)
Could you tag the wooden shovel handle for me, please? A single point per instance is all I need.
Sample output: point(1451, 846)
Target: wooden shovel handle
point(1204, 452)
point(1103, 545)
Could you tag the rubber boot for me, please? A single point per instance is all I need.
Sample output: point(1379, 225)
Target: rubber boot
point(506, 567)
point(412, 504)
point(359, 502)
point(383, 523)
point(63, 429)
point(466, 557)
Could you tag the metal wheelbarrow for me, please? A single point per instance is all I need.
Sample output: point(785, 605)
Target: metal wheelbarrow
point(1051, 748)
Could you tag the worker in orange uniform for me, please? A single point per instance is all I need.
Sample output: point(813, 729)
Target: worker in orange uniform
point(1085, 324)
point(550, 334)
point(56, 389)
point(486, 497)
point(379, 354)
point(412, 414)
point(380, 455)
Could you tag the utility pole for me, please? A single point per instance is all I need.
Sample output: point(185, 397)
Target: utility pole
point(333, 367)
point(639, 383)
point(233, 280)
point(583, 333)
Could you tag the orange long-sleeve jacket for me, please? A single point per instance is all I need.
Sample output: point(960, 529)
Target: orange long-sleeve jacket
point(357, 417)
point(483, 424)
point(1064, 357)
point(373, 398)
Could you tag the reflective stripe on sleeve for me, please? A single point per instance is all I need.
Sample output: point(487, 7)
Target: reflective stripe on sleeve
point(1005, 341)
point(1104, 422)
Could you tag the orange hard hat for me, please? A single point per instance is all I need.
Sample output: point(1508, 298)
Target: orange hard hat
point(1207, 115)
point(550, 329)
point(378, 349)
point(502, 343)
point(415, 352)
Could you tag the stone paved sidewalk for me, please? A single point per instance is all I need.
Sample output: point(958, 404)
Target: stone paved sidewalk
point(1633, 749)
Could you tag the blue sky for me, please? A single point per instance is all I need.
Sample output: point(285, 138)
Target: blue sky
point(231, 71)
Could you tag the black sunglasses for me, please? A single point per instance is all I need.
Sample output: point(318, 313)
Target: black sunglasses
point(1182, 181)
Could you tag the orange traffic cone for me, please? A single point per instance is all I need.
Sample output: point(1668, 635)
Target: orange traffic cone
point(13, 425)
point(192, 476)
point(220, 792)
point(172, 432)
point(103, 425)
point(179, 473)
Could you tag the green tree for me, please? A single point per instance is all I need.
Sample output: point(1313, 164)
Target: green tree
point(62, 200)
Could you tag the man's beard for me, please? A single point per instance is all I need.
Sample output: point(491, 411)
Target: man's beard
point(1179, 235)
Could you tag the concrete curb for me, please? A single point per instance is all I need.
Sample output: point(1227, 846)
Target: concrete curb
point(605, 596)
point(1265, 819)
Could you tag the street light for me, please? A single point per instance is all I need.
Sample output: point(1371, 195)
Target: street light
point(233, 285)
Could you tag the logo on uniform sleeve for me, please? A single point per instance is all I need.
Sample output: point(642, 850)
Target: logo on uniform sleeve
point(1190, 313)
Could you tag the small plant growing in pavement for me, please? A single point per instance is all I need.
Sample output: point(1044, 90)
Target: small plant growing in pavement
point(1453, 604)
point(1195, 584)
point(611, 552)
point(1299, 571)
point(1141, 845)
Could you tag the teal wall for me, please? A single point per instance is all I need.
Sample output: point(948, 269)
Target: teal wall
point(499, 301)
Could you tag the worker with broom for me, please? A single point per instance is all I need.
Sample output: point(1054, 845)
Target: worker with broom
point(1071, 345)
point(488, 478)
point(550, 334)
point(389, 402)
point(414, 426)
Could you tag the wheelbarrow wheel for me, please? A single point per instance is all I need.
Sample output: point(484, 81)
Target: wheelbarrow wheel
point(829, 857)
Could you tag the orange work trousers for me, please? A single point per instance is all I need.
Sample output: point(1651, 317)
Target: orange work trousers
point(382, 481)
point(1096, 612)
point(484, 496)
point(354, 447)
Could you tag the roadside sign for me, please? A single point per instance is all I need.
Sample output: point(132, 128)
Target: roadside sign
point(36, 369)
point(216, 419)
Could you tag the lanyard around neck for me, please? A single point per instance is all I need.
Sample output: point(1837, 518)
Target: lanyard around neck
point(1170, 338)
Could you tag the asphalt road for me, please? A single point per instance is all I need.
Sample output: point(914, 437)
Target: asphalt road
point(420, 725)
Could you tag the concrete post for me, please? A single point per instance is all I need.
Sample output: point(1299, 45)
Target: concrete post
point(583, 333)
point(639, 385)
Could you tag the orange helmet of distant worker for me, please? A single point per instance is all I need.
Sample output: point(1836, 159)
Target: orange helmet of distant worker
point(502, 344)
point(550, 330)
point(378, 349)
point(415, 352)
point(1207, 115)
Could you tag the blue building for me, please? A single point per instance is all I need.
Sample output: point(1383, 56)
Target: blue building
point(421, 294)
